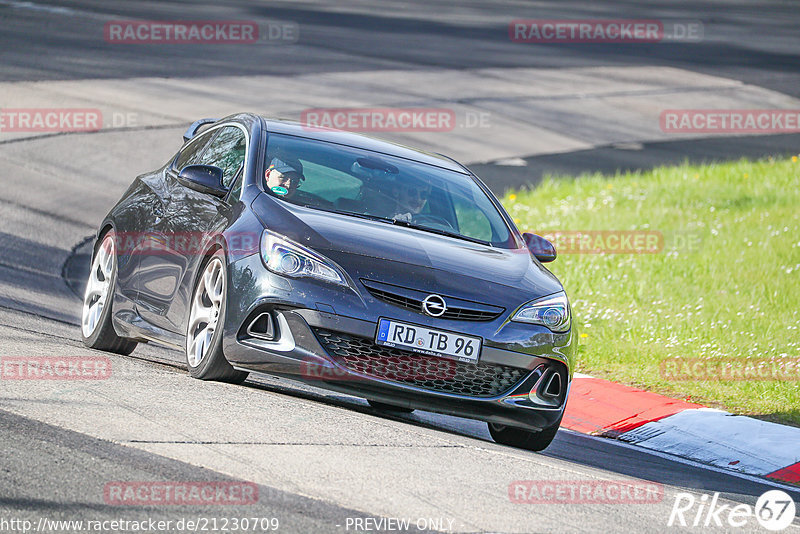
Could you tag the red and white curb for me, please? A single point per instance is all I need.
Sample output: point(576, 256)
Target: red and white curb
point(685, 429)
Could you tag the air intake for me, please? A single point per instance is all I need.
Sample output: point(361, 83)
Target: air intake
point(553, 388)
point(261, 327)
point(458, 309)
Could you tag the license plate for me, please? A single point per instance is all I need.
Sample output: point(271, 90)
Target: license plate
point(429, 341)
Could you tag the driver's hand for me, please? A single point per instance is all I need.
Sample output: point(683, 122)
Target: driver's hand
point(405, 217)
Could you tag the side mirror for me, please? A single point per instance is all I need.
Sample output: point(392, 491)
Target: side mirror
point(203, 178)
point(541, 248)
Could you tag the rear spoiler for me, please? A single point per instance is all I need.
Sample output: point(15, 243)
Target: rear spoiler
point(196, 126)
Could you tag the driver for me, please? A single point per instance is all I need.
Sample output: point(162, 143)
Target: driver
point(412, 197)
point(284, 176)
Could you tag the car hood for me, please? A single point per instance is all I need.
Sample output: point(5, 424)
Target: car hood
point(411, 258)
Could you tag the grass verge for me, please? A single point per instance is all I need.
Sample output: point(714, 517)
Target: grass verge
point(717, 303)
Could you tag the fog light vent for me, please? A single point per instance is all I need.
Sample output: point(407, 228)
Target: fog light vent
point(261, 327)
point(553, 388)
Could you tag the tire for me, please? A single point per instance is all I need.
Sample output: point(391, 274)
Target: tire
point(523, 439)
point(203, 346)
point(388, 407)
point(97, 330)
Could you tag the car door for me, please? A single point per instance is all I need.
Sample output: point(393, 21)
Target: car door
point(134, 217)
point(192, 218)
point(156, 281)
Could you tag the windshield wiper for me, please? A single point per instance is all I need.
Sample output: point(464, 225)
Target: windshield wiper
point(353, 214)
point(401, 222)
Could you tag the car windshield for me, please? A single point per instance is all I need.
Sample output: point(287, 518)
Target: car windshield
point(363, 183)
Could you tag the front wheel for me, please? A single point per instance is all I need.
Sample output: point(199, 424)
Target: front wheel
point(523, 439)
point(97, 331)
point(204, 330)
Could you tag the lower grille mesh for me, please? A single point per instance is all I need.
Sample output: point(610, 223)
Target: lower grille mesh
point(427, 372)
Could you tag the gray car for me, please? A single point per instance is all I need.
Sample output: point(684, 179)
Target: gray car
point(340, 260)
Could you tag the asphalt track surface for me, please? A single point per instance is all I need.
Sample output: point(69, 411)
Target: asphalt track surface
point(318, 458)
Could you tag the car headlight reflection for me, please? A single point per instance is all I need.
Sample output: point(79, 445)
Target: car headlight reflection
point(287, 258)
point(552, 312)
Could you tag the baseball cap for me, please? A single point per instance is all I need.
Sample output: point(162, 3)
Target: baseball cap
point(283, 167)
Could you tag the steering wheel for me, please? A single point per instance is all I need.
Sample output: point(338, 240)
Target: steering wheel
point(433, 219)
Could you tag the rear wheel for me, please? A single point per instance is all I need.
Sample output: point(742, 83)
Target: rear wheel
point(523, 439)
point(204, 331)
point(97, 331)
point(388, 407)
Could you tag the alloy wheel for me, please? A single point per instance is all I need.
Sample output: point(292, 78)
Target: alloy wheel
point(97, 288)
point(205, 310)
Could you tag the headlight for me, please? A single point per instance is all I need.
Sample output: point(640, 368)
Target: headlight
point(288, 258)
point(552, 312)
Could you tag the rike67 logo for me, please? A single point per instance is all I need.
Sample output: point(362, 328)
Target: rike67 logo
point(775, 510)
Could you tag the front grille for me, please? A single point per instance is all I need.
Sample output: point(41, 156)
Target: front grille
point(363, 356)
point(459, 312)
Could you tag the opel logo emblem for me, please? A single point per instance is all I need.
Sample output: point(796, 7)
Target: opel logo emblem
point(434, 305)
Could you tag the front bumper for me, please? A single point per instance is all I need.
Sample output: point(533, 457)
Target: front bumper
point(540, 361)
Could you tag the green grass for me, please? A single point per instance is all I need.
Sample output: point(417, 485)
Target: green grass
point(733, 295)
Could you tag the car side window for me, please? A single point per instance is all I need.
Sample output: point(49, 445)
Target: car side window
point(192, 151)
point(226, 151)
